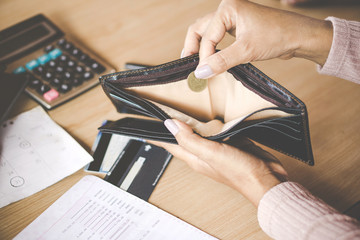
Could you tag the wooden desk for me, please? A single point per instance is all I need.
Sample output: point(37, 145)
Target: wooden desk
point(152, 32)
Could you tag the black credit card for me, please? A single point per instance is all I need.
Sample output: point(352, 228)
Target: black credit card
point(106, 149)
point(139, 168)
point(131, 164)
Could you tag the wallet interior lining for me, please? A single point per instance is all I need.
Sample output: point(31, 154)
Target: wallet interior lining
point(224, 98)
point(216, 126)
point(223, 103)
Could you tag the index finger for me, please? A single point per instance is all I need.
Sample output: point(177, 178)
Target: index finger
point(194, 35)
point(212, 36)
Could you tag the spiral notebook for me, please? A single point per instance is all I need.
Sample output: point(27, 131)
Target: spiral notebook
point(96, 209)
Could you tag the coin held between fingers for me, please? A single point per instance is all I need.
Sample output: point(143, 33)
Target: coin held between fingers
point(196, 84)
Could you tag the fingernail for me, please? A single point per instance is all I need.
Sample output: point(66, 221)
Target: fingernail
point(203, 72)
point(182, 53)
point(171, 126)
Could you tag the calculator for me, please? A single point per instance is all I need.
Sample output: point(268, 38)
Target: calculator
point(58, 67)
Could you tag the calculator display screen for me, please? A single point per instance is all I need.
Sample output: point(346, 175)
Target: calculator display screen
point(25, 37)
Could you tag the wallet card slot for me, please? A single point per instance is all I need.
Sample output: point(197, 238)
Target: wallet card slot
point(269, 123)
point(153, 109)
point(244, 129)
point(245, 123)
point(141, 128)
point(277, 130)
point(288, 120)
point(127, 102)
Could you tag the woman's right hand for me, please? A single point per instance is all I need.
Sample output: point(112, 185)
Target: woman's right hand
point(260, 33)
point(246, 168)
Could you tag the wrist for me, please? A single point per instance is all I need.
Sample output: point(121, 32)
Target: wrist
point(315, 41)
point(257, 186)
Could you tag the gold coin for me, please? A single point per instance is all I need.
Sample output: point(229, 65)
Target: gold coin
point(196, 84)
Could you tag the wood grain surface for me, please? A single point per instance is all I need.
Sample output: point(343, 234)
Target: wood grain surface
point(153, 32)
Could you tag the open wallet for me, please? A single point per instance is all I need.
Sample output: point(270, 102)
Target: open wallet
point(241, 102)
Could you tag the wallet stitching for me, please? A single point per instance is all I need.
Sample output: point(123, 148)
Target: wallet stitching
point(302, 107)
point(288, 154)
point(151, 69)
point(260, 74)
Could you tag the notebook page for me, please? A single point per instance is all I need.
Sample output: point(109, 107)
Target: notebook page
point(35, 153)
point(95, 209)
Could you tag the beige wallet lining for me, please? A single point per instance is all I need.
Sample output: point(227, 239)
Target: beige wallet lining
point(223, 103)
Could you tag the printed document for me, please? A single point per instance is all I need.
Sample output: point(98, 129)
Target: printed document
point(35, 153)
point(96, 209)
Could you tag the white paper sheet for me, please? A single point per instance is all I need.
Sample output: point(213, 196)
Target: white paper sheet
point(35, 153)
point(95, 209)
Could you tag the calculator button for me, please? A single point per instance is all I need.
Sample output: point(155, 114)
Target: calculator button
point(61, 42)
point(44, 59)
point(76, 52)
point(59, 69)
point(49, 48)
point(39, 70)
point(52, 63)
point(76, 82)
point(67, 75)
point(64, 88)
point(62, 61)
point(51, 95)
point(20, 69)
point(56, 82)
point(35, 83)
point(63, 58)
point(32, 64)
point(55, 53)
point(43, 88)
point(97, 67)
point(88, 75)
point(84, 58)
point(68, 47)
point(71, 64)
point(48, 76)
point(79, 69)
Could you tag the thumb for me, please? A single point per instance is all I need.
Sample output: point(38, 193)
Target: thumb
point(221, 61)
point(191, 141)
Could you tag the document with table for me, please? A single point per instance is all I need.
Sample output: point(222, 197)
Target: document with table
point(96, 209)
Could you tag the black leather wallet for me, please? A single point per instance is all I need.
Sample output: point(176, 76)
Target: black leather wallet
point(242, 102)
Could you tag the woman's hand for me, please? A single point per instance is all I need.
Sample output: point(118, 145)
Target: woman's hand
point(260, 33)
point(251, 171)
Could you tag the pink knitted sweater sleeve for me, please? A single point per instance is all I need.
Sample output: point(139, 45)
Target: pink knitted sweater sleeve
point(344, 56)
point(289, 211)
